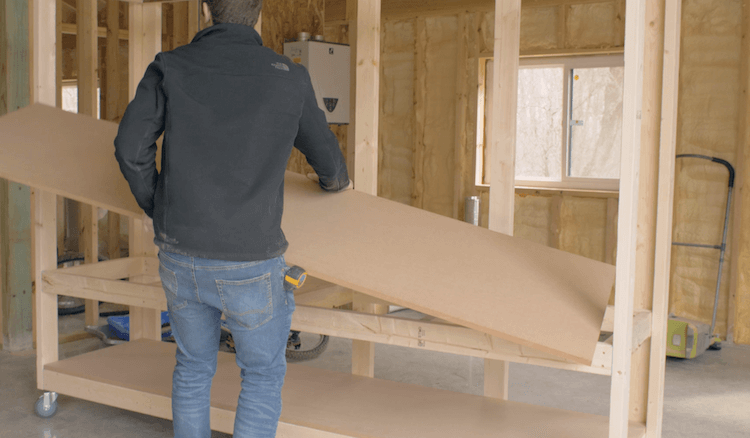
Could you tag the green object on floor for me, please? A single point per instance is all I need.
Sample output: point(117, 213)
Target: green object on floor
point(688, 339)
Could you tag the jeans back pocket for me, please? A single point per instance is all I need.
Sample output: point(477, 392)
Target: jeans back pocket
point(248, 302)
point(169, 284)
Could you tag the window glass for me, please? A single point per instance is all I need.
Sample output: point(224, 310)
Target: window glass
point(596, 122)
point(70, 99)
point(539, 123)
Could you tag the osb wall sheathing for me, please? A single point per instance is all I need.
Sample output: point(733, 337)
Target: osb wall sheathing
point(708, 125)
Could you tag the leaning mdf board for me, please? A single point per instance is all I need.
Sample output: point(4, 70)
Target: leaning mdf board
point(67, 154)
point(505, 286)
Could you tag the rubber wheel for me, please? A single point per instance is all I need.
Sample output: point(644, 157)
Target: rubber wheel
point(715, 346)
point(41, 411)
point(294, 354)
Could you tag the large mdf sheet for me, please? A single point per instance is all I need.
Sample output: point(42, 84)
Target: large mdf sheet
point(67, 154)
point(505, 286)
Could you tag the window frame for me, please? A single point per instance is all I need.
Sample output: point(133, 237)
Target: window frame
point(568, 64)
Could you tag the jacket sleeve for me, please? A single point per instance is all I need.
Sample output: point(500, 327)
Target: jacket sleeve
point(319, 145)
point(141, 126)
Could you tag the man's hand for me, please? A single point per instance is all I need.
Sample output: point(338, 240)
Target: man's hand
point(314, 177)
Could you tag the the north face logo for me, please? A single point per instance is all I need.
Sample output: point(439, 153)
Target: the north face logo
point(281, 66)
point(330, 103)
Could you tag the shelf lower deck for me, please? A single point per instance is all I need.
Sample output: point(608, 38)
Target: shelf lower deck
point(317, 403)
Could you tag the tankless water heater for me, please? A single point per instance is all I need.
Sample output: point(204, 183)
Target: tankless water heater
point(329, 67)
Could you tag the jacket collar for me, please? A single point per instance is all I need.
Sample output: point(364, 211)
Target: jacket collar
point(227, 32)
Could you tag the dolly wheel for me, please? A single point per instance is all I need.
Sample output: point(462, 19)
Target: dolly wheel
point(715, 346)
point(46, 405)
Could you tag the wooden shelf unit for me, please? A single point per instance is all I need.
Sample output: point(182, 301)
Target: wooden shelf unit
point(98, 377)
point(137, 375)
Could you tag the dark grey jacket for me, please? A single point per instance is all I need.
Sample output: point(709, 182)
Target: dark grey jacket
point(230, 111)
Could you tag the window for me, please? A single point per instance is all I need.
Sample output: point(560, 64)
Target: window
point(70, 97)
point(569, 123)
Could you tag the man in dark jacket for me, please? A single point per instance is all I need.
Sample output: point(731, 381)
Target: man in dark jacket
point(230, 111)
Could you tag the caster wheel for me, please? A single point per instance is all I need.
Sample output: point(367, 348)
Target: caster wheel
point(715, 346)
point(46, 405)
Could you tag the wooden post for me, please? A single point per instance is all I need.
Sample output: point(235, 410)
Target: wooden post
point(87, 52)
point(45, 239)
point(111, 90)
point(505, 102)
point(364, 36)
point(144, 43)
point(628, 219)
point(144, 323)
point(44, 89)
point(663, 248)
point(87, 55)
point(58, 62)
point(45, 52)
point(653, 65)
point(90, 246)
point(367, 94)
point(15, 232)
point(503, 150)
point(111, 108)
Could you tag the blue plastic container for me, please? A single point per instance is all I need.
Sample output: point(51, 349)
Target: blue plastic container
point(120, 326)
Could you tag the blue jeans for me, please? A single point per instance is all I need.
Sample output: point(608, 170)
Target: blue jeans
point(259, 314)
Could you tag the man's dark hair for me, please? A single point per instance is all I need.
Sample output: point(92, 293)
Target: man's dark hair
point(235, 11)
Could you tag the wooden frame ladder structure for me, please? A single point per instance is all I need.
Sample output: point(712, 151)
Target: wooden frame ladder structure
point(321, 404)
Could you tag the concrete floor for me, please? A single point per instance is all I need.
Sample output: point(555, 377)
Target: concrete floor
point(705, 397)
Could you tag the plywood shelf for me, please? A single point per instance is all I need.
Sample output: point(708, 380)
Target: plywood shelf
point(316, 399)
